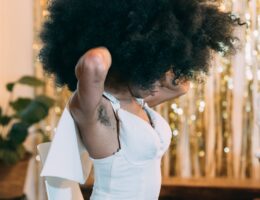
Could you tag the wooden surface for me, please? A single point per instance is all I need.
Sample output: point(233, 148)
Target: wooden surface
point(200, 188)
point(12, 178)
point(213, 183)
point(210, 189)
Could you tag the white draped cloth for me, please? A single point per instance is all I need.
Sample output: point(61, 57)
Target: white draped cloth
point(67, 158)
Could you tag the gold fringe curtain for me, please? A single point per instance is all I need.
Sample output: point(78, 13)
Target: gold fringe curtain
point(215, 126)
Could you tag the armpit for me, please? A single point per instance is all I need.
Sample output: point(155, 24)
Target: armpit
point(103, 116)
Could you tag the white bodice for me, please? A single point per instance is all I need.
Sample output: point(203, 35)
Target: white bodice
point(134, 172)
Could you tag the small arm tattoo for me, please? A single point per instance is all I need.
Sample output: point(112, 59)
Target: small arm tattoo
point(103, 116)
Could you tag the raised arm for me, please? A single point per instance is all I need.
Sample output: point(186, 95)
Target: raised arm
point(166, 91)
point(91, 71)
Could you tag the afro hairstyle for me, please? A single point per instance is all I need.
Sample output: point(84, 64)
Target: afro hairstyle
point(146, 38)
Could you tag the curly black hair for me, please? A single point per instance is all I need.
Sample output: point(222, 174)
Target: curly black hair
point(146, 38)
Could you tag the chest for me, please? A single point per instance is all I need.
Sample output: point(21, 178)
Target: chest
point(139, 139)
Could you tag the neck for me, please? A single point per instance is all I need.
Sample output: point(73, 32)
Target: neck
point(122, 94)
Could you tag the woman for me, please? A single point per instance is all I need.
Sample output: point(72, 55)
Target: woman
point(127, 57)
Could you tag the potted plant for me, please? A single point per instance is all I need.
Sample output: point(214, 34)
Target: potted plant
point(14, 129)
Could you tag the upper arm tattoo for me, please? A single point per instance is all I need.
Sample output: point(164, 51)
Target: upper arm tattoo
point(103, 116)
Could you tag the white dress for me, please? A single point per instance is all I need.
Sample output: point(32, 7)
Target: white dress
point(133, 172)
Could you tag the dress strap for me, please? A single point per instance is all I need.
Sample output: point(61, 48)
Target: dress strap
point(141, 102)
point(114, 101)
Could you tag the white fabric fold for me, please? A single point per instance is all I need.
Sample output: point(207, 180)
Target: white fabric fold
point(67, 157)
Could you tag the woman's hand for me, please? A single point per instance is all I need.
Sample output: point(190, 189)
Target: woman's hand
point(165, 90)
point(180, 88)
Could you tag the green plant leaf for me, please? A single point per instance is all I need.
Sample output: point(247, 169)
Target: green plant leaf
point(18, 132)
point(20, 104)
point(10, 86)
point(37, 109)
point(8, 157)
point(21, 151)
point(31, 81)
point(34, 112)
point(2, 142)
point(47, 101)
point(4, 120)
point(6, 143)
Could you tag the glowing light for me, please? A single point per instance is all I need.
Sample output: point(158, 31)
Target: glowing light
point(57, 110)
point(248, 107)
point(59, 89)
point(226, 77)
point(230, 84)
point(225, 115)
point(172, 125)
point(224, 103)
point(249, 74)
point(171, 115)
point(180, 111)
point(255, 33)
point(226, 134)
point(201, 153)
point(202, 105)
point(45, 13)
point(36, 46)
point(37, 158)
point(247, 16)
point(177, 110)
point(201, 109)
point(220, 69)
point(175, 132)
point(48, 128)
point(193, 117)
point(174, 106)
point(226, 150)
point(222, 7)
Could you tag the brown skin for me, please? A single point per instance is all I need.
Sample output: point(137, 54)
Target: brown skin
point(165, 90)
point(94, 116)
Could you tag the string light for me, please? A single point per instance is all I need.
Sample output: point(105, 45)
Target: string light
point(201, 153)
point(57, 110)
point(220, 69)
point(226, 150)
point(193, 117)
point(48, 128)
point(174, 106)
point(175, 133)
